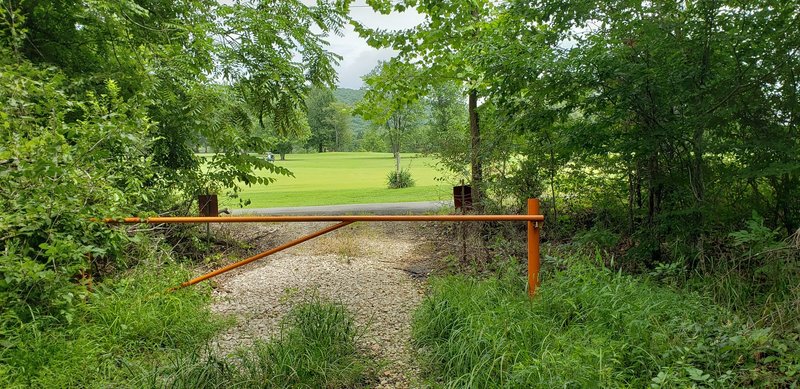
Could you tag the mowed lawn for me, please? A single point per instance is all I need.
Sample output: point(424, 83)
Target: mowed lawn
point(344, 178)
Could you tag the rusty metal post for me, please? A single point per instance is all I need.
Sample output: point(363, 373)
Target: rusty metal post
point(533, 248)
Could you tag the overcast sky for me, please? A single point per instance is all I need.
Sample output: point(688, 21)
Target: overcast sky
point(359, 58)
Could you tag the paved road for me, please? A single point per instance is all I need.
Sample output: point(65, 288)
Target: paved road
point(418, 207)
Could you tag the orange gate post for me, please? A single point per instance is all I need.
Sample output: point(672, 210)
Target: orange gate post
point(533, 248)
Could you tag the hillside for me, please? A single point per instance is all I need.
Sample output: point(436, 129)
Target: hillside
point(351, 97)
point(348, 96)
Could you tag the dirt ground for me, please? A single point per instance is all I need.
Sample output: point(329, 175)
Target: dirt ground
point(377, 270)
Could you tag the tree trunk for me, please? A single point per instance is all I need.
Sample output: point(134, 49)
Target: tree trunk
point(397, 165)
point(631, 197)
point(553, 182)
point(697, 180)
point(475, 158)
point(654, 190)
point(783, 202)
point(396, 140)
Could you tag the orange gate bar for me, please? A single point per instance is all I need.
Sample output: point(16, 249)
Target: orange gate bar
point(339, 218)
point(533, 218)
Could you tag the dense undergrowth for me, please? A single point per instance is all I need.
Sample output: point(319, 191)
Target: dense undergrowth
point(316, 348)
point(591, 327)
point(132, 333)
point(128, 326)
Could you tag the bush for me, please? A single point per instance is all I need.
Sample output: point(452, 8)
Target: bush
point(64, 159)
point(399, 180)
point(590, 327)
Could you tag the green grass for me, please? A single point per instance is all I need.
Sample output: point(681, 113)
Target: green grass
point(316, 348)
point(345, 178)
point(589, 327)
point(127, 327)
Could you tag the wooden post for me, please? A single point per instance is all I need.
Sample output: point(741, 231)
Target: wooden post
point(533, 248)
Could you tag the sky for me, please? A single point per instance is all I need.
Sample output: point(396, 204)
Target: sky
point(360, 58)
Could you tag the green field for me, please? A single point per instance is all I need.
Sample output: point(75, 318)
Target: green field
point(345, 178)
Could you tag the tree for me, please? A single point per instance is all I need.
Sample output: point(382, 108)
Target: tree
point(340, 121)
point(387, 103)
point(329, 122)
point(160, 52)
point(663, 96)
point(255, 33)
point(102, 104)
point(448, 137)
point(283, 146)
point(372, 140)
point(446, 46)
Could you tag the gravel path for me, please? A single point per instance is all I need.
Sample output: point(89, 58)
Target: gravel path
point(376, 269)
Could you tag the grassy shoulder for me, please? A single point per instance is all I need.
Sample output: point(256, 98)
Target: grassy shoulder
point(590, 327)
point(345, 178)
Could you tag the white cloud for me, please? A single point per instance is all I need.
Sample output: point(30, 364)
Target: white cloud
point(359, 57)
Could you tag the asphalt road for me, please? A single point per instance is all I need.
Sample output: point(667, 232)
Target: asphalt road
point(419, 207)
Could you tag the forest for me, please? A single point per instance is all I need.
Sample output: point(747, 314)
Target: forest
point(662, 137)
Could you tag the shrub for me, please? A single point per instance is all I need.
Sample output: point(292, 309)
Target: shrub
point(597, 238)
point(64, 159)
point(399, 180)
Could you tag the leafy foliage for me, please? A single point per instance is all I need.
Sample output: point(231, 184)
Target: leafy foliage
point(329, 121)
point(65, 160)
point(102, 105)
point(392, 106)
point(445, 47)
point(668, 91)
point(351, 97)
point(258, 33)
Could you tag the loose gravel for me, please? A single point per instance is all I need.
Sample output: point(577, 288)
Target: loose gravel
point(377, 270)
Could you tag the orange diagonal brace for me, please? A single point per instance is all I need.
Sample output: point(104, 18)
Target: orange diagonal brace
point(264, 254)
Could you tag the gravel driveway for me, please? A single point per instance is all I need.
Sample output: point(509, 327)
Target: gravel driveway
point(376, 269)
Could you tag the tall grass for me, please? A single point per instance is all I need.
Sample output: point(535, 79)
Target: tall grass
point(588, 327)
point(316, 348)
point(128, 326)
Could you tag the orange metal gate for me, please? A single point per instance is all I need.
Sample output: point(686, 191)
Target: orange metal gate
point(533, 218)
